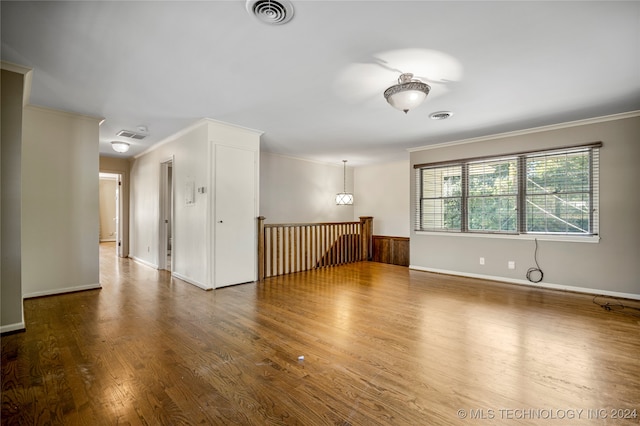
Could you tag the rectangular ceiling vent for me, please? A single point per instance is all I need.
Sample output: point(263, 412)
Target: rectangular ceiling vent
point(130, 134)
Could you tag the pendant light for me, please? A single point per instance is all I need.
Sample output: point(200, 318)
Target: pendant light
point(408, 93)
point(344, 198)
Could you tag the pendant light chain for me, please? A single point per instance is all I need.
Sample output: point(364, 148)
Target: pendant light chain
point(344, 176)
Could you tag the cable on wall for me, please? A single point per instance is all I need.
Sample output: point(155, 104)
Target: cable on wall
point(535, 274)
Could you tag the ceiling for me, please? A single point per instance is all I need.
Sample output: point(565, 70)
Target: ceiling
point(314, 85)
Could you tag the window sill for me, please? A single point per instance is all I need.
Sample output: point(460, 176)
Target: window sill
point(539, 237)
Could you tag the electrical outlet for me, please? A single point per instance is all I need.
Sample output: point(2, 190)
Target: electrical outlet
point(511, 264)
point(482, 260)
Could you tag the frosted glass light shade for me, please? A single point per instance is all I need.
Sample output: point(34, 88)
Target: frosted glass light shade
point(344, 199)
point(119, 146)
point(406, 100)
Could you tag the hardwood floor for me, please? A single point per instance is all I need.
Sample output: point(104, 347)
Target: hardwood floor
point(382, 345)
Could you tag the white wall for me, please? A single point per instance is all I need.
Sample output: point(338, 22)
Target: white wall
point(607, 267)
point(189, 152)
point(60, 206)
point(192, 153)
point(13, 91)
point(293, 190)
point(382, 191)
point(108, 210)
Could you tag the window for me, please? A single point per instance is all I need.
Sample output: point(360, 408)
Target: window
point(548, 192)
point(492, 195)
point(441, 201)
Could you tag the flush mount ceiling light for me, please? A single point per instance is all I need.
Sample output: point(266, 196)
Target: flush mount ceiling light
point(344, 198)
point(119, 146)
point(408, 93)
point(274, 12)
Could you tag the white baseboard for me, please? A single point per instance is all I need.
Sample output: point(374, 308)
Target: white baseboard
point(551, 286)
point(61, 290)
point(191, 281)
point(13, 327)
point(144, 262)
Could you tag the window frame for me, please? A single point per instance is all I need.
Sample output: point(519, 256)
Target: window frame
point(521, 214)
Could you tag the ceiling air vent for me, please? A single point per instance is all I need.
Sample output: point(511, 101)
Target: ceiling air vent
point(130, 134)
point(440, 115)
point(271, 11)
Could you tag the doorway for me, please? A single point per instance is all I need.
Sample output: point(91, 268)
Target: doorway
point(165, 240)
point(110, 185)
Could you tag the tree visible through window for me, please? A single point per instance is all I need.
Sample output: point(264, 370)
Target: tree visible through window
point(552, 192)
point(559, 192)
point(493, 195)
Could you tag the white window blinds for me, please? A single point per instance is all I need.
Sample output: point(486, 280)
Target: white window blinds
point(541, 192)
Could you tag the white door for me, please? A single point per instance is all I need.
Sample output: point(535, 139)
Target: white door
point(165, 260)
point(118, 218)
point(235, 216)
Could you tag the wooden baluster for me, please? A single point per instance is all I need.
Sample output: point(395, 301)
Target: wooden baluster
point(332, 245)
point(280, 248)
point(300, 230)
point(354, 246)
point(330, 251)
point(339, 244)
point(289, 251)
point(270, 274)
point(284, 250)
point(260, 248)
point(317, 237)
point(336, 243)
point(296, 248)
point(306, 248)
point(324, 254)
point(293, 253)
point(339, 241)
point(356, 243)
point(347, 243)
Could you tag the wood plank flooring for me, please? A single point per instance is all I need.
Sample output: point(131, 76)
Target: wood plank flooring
point(382, 345)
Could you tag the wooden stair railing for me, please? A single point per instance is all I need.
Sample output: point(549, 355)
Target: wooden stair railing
point(294, 247)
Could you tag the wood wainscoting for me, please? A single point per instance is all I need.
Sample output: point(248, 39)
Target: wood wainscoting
point(393, 250)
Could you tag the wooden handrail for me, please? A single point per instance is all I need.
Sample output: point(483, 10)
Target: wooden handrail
point(285, 248)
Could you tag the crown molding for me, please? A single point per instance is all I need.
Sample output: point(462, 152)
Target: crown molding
point(28, 76)
point(559, 126)
point(65, 113)
point(192, 127)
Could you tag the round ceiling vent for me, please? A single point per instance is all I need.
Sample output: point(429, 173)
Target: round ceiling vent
point(440, 115)
point(271, 11)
